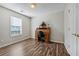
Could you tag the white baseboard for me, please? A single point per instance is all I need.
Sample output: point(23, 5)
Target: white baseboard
point(14, 42)
point(57, 41)
point(22, 40)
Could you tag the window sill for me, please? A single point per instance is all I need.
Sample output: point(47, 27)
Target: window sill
point(14, 35)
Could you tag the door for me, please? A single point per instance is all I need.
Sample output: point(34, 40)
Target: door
point(72, 28)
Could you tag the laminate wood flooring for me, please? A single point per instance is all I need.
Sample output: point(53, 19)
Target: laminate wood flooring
point(30, 47)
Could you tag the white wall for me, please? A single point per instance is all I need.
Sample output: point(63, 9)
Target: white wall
point(5, 38)
point(55, 21)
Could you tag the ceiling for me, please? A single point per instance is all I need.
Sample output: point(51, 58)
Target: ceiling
point(41, 8)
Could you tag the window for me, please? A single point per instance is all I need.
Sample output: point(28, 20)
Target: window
point(16, 26)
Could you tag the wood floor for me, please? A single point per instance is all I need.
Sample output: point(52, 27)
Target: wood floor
point(31, 48)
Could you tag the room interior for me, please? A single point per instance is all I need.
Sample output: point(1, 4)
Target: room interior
point(39, 29)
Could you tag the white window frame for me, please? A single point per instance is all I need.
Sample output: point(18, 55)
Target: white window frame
point(18, 24)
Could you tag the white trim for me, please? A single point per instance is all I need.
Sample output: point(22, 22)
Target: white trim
point(22, 40)
point(14, 42)
point(56, 41)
